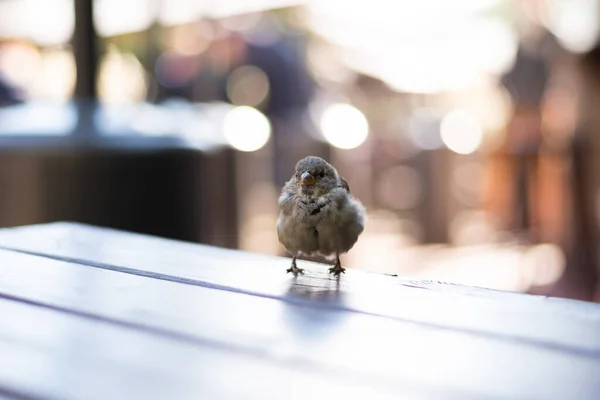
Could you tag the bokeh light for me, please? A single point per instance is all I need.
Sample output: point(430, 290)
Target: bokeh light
point(424, 129)
point(57, 75)
point(441, 45)
point(575, 23)
point(116, 17)
point(461, 132)
point(467, 182)
point(175, 70)
point(46, 23)
point(344, 126)
point(471, 227)
point(246, 128)
point(400, 187)
point(20, 63)
point(121, 78)
point(545, 264)
point(247, 86)
point(189, 39)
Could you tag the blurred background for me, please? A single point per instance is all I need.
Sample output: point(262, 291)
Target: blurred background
point(468, 128)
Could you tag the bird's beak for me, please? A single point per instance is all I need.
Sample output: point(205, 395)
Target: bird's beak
point(307, 179)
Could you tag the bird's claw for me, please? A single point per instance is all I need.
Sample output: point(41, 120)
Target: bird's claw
point(337, 270)
point(295, 270)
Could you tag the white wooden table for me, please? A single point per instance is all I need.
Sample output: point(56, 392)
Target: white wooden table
point(93, 313)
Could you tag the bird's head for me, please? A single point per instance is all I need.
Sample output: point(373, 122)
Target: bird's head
point(315, 177)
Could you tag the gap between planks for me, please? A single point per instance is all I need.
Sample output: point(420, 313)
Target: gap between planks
point(261, 355)
point(514, 339)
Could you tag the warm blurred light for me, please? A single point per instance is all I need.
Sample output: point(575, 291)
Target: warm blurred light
point(559, 115)
point(344, 126)
point(545, 263)
point(489, 102)
point(20, 64)
point(424, 129)
point(469, 228)
point(325, 63)
point(189, 39)
point(241, 23)
point(221, 9)
point(467, 180)
point(461, 132)
point(439, 45)
point(117, 17)
point(257, 234)
point(496, 54)
point(246, 128)
point(176, 12)
point(51, 22)
point(260, 215)
point(41, 21)
point(56, 80)
point(121, 78)
point(247, 86)
point(575, 23)
point(384, 235)
point(399, 188)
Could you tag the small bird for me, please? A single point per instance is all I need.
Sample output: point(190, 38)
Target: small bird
point(317, 214)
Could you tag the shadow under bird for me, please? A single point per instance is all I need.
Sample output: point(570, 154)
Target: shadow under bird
point(317, 214)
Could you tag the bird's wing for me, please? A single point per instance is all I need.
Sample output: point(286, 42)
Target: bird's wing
point(287, 202)
point(345, 184)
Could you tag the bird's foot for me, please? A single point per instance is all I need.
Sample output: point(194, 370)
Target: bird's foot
point(295, 270)
point(337, 270)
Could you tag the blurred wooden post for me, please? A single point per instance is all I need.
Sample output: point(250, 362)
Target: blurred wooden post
point(85, 51)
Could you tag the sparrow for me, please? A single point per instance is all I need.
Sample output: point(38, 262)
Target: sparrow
point(317, 214)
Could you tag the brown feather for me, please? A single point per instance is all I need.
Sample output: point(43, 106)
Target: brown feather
point(345, 184)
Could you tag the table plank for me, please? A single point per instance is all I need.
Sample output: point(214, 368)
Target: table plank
point(72, 357)
point(384, 352)
point(6, 394)
point(561, 324)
